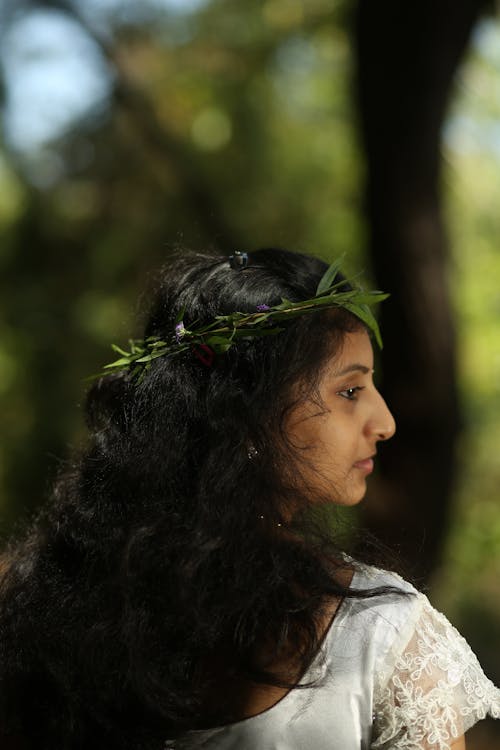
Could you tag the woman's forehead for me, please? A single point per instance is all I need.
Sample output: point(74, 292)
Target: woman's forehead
point(355, 354)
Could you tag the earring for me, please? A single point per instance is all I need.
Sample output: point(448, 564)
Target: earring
point(252, 452)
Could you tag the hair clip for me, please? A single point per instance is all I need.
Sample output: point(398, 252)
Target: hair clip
point(239, 260)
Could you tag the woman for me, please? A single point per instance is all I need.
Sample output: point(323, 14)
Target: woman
point(178, 593)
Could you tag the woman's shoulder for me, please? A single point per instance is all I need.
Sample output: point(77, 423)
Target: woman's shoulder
point(385, 611)
point(382, 607)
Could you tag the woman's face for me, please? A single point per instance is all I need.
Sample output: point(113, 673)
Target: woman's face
point(339, 436)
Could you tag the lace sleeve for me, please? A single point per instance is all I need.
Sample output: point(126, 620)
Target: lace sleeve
point(431, 688)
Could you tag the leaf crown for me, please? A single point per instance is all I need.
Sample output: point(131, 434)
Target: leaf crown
point(217, 337)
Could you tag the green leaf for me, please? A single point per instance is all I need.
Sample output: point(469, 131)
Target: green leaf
point(138, 372)
point(157, 344)
point(117, 349)
point(217, 340)
point(221, 348)
point(369, 298)
point(328, 277)
point(250, 333)
point(257, 319)
point(289, 315)
point(365, 314)
point(285, 303)
point(123, 362)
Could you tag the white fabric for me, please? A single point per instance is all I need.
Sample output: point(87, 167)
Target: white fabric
point(392, 674)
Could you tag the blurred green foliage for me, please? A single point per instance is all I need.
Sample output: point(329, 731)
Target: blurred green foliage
point(467, 586)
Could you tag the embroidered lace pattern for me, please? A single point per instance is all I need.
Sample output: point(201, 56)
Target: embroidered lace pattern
point(435, 691)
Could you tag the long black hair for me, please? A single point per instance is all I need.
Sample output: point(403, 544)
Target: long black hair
point(160, 563)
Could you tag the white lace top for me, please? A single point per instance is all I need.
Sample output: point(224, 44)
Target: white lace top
point(392, 674)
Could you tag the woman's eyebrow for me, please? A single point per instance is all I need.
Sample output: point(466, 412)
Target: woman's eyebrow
point(355, 367)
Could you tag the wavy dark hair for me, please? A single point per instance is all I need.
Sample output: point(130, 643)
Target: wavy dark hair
point(158, 569)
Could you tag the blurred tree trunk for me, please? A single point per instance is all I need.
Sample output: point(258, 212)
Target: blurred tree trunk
point(407, 54)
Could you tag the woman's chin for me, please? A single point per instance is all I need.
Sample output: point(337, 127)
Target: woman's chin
point(355, 495)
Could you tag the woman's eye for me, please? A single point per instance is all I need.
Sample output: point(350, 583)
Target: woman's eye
point(350, 393)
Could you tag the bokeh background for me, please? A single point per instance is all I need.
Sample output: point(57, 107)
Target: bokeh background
point(327, 126)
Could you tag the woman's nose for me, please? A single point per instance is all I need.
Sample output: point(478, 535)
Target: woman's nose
point(382, 425)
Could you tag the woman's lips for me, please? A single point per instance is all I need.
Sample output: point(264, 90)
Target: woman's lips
point(366, 465)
